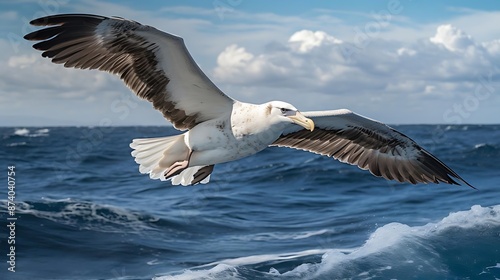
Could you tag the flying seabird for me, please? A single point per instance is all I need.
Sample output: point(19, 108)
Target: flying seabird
point(158, 67)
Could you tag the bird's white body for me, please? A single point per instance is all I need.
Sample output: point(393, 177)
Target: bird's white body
point(229, 137)
point(236, 136)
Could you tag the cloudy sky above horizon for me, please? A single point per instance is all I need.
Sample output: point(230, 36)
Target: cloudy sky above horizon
point(397, 61)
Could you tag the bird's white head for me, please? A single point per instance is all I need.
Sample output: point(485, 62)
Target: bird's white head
point(283, 112)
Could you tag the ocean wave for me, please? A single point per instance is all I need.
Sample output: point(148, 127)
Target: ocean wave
point(267, 236)
point(483, 150)
point(485, 147)
point(220, 271)
point(24, 132)
point(21, 132)
point(456, 127)
point(15, 144)
point(85, 215)
point(464, 244)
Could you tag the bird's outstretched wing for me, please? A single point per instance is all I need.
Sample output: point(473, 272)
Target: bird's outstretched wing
point(369, 144)
point(154, 64)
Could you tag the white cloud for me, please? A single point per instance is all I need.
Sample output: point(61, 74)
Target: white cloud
point(261, 56)
point(406, 51)
point(452, 38)
point(305, 40)
point(429, 89)
point(492, 47)
point(39, 74)
point(232, 59)
point(21, 61)
point(33, 89)
point(318, 57)
point(446, 67)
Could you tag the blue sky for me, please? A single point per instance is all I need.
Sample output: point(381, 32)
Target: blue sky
point(398, 61)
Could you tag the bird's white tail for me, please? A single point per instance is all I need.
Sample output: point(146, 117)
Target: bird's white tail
point(156, 155)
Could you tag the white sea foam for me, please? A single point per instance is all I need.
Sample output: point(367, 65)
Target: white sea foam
point(308, 234)
point(219, 272)
point(27, 133)
point(16, 144)
point(86, 215)
point(389, 239)
point(266, 236)
point(480, 145)
point(393, 248)
point(42, 131)
point(21, 132)
point(255, 259)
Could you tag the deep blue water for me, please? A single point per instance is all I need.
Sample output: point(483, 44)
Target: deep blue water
point(85, 212)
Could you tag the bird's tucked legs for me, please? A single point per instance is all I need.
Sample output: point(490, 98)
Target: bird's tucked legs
point(177, 167)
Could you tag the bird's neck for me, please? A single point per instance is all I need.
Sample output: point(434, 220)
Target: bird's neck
point(252, 119)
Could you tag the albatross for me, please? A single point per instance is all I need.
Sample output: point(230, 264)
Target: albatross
point(157, 67)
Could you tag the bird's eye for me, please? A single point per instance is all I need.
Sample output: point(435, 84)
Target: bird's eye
point(284, 110)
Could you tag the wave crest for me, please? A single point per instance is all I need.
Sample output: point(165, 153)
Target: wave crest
point(86, 215)
point(24, 132)
point(432, 251)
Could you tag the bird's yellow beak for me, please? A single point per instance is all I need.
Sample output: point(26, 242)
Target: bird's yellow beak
point(301, 120)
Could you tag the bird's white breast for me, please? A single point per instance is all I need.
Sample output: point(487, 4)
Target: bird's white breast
point(242, 133)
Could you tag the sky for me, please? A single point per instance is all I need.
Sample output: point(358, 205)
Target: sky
point(396, 61)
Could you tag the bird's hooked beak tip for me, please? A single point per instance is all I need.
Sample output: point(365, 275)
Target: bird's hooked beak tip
point(301, 120)
point(311, 124)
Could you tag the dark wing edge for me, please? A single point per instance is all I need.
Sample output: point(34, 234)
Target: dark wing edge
point(384, 151)
point(83, 41)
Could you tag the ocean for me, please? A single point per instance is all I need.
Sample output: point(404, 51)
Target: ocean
point(83, 211)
